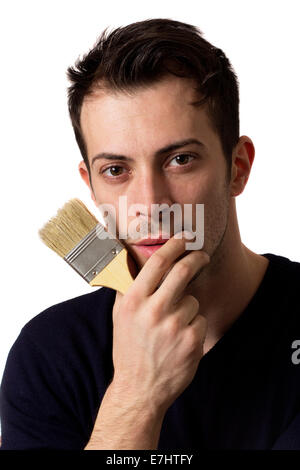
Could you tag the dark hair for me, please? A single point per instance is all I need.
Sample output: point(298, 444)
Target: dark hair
point(142, 53)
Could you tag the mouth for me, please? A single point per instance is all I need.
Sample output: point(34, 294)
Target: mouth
point(148, 246)
point(151, 241)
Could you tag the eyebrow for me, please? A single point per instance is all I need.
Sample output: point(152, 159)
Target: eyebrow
point(166, 149)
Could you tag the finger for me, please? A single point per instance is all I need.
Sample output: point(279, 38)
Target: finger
point(200, 322)
point(173, 264)
point(156, 266)
point(199, 325)
point(186, 310)
point(180, 275)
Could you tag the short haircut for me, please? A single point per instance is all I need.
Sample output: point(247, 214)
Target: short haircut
point(142, 53)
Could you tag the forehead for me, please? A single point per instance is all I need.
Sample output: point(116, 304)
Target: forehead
point(161, 112)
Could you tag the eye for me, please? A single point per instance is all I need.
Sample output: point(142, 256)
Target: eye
point(114, 170)
point(182, 159)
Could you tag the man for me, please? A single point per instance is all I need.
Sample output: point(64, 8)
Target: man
point(198, 352)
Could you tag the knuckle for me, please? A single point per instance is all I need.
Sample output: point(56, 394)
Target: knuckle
point(183, 269)
point(159, 260)
point(173, 325)
point(202, 323)
point(193, 302)
point(157, 302)
point(130, 302)
point(193, 340)
point(154, 315)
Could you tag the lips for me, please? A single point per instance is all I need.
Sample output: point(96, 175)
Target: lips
point(148, 246)
point(147, 250)
point(151, 241)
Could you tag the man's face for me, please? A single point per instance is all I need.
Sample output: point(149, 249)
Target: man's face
point(136, 127)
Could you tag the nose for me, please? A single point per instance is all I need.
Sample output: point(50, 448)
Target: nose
point(150, 188)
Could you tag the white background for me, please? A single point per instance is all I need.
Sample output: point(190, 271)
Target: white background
point(39, 155)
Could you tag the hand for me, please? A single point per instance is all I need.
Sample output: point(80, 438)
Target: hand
point(158, 333)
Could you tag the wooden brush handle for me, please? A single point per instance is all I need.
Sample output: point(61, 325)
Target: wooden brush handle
point(116, 274)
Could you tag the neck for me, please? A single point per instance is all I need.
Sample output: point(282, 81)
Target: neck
point(225, 286)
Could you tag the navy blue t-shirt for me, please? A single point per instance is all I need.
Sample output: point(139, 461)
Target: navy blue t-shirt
point(245, 394)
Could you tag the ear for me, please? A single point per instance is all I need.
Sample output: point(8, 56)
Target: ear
point(242, 160)
point(85, 176)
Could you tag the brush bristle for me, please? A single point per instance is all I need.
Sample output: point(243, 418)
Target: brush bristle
point(71, 224)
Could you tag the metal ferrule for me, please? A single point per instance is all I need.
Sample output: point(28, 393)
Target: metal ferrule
point(93, 253)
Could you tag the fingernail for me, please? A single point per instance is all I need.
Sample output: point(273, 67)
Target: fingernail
point(184, 234)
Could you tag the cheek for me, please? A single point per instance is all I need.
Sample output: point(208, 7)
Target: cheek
point(104, 193)
point(107, 205)
point(213, 193)
point(200, 189)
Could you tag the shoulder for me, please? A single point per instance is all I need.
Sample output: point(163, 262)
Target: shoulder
point(282, 269)
point(282, 262)
point(57, 372)
point(282, 278)
point(80, 323)
point(67, 344)
point(282, 281)
point(88, 310)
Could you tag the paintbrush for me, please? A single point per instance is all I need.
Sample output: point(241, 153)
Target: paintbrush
point(77, 236)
